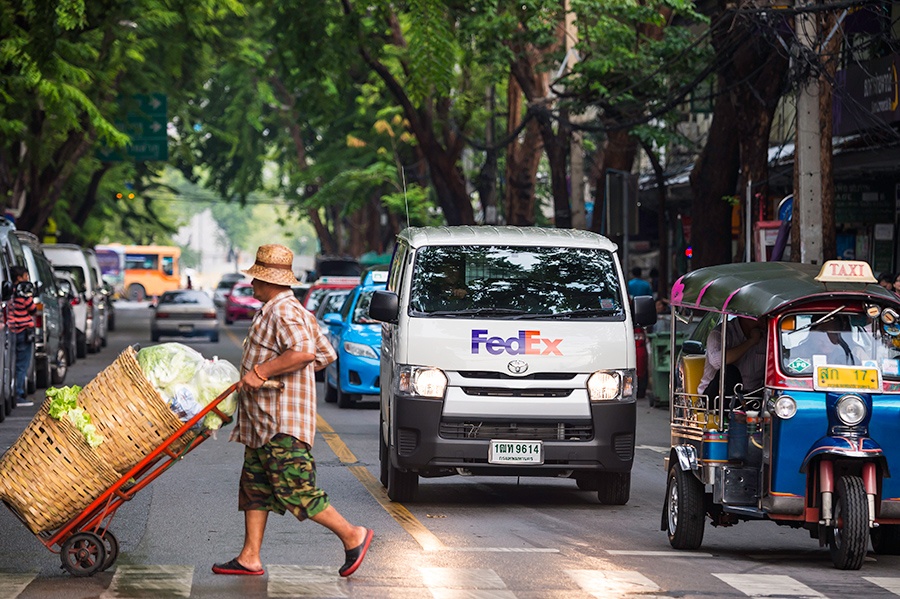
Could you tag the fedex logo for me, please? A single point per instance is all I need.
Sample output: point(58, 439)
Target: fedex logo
point(527, 342)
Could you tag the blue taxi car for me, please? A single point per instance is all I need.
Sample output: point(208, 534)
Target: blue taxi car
point(357, 340)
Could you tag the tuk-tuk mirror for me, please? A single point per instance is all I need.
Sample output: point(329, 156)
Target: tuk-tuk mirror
point(888, 316)
point(693, 347)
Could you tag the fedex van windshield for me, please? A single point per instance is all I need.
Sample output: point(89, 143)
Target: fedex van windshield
point(515, 282)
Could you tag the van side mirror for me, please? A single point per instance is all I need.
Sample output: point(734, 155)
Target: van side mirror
point(385, 306)
point(6, 291)
point(643, 310)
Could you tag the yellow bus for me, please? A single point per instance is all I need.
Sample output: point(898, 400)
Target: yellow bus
point(151, 270)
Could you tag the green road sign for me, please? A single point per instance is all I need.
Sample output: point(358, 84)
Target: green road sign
point(145, 123)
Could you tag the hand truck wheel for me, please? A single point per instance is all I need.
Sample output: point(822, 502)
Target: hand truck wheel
point(111, 544)
point(83, 554)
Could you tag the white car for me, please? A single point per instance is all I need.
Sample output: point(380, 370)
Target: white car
point(70, 258)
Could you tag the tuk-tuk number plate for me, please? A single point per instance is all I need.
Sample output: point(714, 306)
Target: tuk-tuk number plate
point(847, 377)
point(516, 452)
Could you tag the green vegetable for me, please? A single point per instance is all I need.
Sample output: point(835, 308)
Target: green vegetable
point(168, 364)
point(63, 403)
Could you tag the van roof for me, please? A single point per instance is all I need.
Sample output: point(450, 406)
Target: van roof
point(504, 235)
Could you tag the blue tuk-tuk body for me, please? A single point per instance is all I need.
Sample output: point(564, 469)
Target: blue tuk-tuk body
point(814, 446)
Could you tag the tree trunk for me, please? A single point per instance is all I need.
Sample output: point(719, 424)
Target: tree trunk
point(714, 176)
point(618, 153)
point(523, 155)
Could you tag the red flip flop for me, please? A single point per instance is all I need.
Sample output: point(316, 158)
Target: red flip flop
point(235, 568)
point(355, 556)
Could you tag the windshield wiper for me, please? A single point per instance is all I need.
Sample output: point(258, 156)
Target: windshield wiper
point(824, 319)
point(478, 312)
point(579, 313)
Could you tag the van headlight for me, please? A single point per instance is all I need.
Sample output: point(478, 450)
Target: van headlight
point(611, 385)
point(851, 410)
point(422, 381)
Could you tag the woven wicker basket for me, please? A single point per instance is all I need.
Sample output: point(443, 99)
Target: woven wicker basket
point(50, 473)
point(129, 412)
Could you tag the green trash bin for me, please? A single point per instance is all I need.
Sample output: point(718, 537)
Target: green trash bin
point(660, 366)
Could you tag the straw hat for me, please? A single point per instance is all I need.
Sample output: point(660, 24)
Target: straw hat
point(274, 264)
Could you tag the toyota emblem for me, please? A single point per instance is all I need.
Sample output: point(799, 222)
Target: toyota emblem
point(517, 366)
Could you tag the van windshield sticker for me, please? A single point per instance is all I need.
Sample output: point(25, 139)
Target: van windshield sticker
point(527, 342)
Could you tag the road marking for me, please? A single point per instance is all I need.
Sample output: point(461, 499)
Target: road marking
point(678, 554)
point(150, 581)
point(889, 584)
point(237, 340)
point(504, 549)
point(461, 578)
point(612, 583)
point(768, 585)
point(304, 581)
point(662, 450)
point(13, 585)
point(424, 537)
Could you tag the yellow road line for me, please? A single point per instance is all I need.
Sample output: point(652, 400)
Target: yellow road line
point(411, 524)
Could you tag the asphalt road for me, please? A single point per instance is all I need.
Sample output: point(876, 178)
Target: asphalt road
point(473, 538)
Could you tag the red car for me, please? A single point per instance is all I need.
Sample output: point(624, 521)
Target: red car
point(240, 303)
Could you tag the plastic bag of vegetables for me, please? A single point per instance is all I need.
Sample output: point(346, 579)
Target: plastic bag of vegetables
point(169, 364)
point(213, 378)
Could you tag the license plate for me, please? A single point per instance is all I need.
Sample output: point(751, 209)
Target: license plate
point(848, 378)
point(516, 452)
point(185, 328)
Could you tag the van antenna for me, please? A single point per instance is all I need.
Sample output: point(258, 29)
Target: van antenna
point(405, 198)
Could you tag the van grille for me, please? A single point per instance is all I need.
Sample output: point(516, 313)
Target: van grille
point(537, 376)
point(503, 392)
point(559, 431)
point(623, 445)
point(407, 441)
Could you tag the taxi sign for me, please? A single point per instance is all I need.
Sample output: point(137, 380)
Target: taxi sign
point(376, 276)
point(846, 378)
point(846, 271)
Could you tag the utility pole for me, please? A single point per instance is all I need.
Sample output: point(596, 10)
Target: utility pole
point(808, 192)
point(576, 149)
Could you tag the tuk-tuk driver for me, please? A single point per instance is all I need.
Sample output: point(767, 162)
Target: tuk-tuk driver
point(745, 357)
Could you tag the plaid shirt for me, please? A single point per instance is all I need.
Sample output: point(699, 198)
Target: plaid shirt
point(281, 324)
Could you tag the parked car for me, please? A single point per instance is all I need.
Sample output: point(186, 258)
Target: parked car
point(184, 313)
point(68, 297)
point(11, 254)
point(70, 258)
point(332, 302)
point(224, 287)
point(51, 360)
point(322, 286)
point(356, 338)
point(240, 303)
point(102, 295)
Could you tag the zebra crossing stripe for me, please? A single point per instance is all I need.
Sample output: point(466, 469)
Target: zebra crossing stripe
point(889, 584)
point(612, 583)
point(12, 585)
point(143, 581)
point(461, 578)
point(305, 581)
point(768, 585)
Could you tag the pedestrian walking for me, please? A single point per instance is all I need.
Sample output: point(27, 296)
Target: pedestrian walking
point(21, 323)
point(284, 344)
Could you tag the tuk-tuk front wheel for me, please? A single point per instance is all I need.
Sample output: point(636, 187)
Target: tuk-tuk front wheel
point(684, 509)
point(849, 536)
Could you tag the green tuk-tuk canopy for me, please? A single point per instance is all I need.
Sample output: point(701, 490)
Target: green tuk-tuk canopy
point(758, 288)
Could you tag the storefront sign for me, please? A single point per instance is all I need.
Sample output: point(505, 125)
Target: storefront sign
point(867, 95)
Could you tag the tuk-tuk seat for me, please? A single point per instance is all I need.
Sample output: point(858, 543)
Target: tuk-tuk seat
point(693, 372)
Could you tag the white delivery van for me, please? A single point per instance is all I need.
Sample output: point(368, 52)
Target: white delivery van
point(507, 351)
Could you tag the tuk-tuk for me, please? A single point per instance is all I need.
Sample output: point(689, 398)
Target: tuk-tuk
point(813, 446)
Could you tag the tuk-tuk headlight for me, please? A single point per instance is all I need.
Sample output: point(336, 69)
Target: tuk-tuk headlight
point(785, 407)
point(611, 385)
point(851, 410)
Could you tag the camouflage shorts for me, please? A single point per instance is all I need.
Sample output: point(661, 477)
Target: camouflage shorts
point(281, 476)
